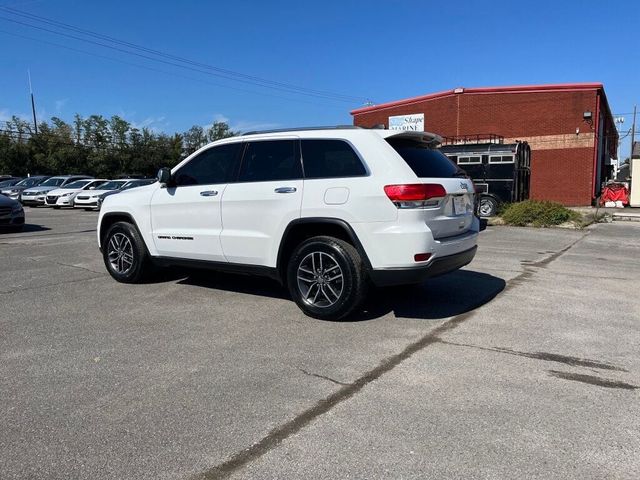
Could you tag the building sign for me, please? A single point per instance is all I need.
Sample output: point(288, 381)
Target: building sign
point(413, 122)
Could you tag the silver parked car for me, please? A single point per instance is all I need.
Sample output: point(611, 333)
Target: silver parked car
point(14, 191)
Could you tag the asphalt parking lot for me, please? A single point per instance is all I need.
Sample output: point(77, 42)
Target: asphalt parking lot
point(523, 365)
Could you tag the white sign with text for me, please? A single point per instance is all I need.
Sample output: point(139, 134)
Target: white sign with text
point(413, 122)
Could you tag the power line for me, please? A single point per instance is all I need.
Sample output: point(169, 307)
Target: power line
point(173, 60)
point(170, 56)
point(166, 72)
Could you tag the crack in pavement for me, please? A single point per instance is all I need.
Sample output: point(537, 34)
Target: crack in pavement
point(72, 266)
point(293, 426)
point(323, 377)
point(547, 357)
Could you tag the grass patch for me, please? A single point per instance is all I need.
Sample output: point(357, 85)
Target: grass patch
point(539, 214)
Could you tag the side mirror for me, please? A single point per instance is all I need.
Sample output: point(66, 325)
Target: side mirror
point(92, 188)
point(164, 176)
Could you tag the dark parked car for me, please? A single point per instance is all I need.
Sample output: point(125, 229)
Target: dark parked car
point(130, 184)
point(11, 214)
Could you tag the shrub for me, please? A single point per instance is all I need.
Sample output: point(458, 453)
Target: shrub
point(538, 214)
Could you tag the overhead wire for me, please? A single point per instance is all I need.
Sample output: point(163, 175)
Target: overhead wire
point(169, 59)
point(146, 67)
point(174, 57)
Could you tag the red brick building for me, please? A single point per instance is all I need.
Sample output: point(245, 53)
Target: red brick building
point(569, 127)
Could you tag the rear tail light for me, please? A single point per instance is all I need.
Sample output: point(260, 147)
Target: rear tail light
point(416, 195)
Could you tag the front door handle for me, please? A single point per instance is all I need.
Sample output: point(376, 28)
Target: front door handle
point(209, 193)
point(285, 190)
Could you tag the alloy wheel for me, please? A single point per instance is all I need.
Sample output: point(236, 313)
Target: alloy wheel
point(320, 279)
point(120, 253)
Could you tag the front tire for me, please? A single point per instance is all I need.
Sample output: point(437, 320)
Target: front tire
point(326, 278)
point(124, 253)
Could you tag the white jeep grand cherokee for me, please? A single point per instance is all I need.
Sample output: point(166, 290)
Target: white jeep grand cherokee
point(326, 211)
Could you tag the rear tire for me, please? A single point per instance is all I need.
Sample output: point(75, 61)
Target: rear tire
point(488, 207)
point(124, 253)
point(326, 278)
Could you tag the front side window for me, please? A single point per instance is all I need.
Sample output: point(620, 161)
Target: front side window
point(269, 161)
point(330, 159)
point(212, 166)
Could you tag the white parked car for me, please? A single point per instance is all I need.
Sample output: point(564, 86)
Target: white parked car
point(64, 197)
point(36, 195)
point(89, 199)
point(324, 211)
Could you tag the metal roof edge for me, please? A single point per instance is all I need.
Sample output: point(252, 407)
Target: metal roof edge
point(482, 90)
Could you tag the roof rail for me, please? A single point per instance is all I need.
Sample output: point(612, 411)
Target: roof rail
point(302, 129)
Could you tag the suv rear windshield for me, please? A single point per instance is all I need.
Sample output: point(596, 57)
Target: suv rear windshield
point(424, 160)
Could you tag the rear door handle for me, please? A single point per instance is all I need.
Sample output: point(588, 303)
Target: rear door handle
point(285, 190)
point(209, 193)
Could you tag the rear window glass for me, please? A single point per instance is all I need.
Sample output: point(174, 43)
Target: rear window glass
point(330, 159)
point(425, 161)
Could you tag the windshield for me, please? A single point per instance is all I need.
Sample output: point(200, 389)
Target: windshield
point(133, 184)
point(424, 160)
point(7, 183)
point(53, 182)
point(77, 184)
point(113, 185)
point(28, 182)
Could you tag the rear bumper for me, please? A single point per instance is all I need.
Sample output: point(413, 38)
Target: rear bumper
point(410, 275)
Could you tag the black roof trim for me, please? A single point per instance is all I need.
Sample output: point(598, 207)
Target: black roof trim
point(302, 129)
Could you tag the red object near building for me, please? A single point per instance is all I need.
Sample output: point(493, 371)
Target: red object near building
point(615, 192)
point(569, 127)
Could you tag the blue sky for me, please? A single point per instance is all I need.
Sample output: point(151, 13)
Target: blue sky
point(376, 50)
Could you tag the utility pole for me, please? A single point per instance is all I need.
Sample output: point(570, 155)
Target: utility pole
point(633, 131)
point(33, 104)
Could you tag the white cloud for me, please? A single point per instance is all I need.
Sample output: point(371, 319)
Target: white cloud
point(155, 124)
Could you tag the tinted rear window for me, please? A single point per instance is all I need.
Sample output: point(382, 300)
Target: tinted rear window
point(330, 159)
point(424, 161)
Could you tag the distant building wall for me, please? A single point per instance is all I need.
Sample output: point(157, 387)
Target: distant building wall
point(547, 117)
